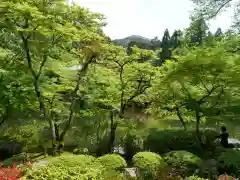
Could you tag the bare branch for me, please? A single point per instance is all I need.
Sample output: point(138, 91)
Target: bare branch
point(220, 8)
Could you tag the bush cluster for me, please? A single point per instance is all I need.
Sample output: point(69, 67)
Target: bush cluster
point(80, 167)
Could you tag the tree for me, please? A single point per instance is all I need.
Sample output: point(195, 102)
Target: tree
point(134, 79)
point(176, 39)
point(197, 31)
point(166, 52)
point(156, 43)
point(44, 34)
point(218, 33)
point(196, 84)
point(16, 93)
point(211, 9)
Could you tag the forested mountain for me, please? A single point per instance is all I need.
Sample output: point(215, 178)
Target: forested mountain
point(67, 88)
point(134, 38)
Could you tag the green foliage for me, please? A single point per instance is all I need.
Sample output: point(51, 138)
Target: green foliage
point(113, 175)
point(163, 141)
point(229, 162)
point(80, 151)
point(68, 167)
point(113, 162)
point(16, 159)
point(183, 160)
point(208, 169)
point(194, 178)
point(132, 144)
point(148, 163)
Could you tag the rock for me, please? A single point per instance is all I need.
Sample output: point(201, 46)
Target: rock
point(131, 171)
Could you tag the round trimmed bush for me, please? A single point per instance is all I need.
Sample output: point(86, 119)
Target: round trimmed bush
point(148, 163)
point(183, 161)
point(229, 161)
point(113, 162)
point(113, 175)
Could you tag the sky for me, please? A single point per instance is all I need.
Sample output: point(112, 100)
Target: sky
point(148, 18)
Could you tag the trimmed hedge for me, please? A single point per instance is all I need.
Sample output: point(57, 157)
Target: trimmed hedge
point(183, 161)
point(163, 141)
point(229, 161)
point(148, 163)
point(112, 162)
point(76, 167)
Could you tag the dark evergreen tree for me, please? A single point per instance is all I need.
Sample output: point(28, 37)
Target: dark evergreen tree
point(197, 31)
point(155, 43)
point(166, 52)
point(175, 39)
point(218, 33)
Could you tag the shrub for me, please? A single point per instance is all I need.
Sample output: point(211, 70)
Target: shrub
point(208, 169)
point(148, 163)
point(163, 141)
point(229, 161)
point(181, 158)
point(17, 159)
point(79, 151)
point(113, 162)
point(194, 178)
point(11, 173)
point(132, 144)
point(76, 167)
point(113, 175)
point(160, 141)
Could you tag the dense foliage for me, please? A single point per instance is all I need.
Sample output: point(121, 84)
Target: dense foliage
point(113, 161)
point(65, 86)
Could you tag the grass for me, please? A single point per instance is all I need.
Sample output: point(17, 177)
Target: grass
point(34, 157)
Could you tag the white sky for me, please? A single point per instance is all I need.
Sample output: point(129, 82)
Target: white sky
point(148, 18)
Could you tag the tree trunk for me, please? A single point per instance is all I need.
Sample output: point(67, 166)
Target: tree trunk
point(198, 118)
point(113, 127)
point(181, 119)
point(36, 77)
point(80, 74)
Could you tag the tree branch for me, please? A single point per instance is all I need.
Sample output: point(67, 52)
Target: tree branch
point(80, 74)
point(220, 8)
point(201, 100)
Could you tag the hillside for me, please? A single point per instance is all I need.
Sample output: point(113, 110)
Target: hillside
point(134, 38)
